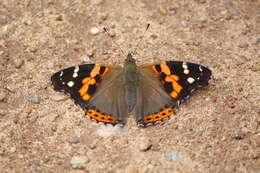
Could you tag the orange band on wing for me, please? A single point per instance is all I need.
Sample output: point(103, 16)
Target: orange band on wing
point(95, 71)
point(105, 72)
point(171, 78)
point(164, 114)
point(154, 69)
point(86, 97)
point(83, 89)
point(165, 69)
point(174, 94)
point(177, 87)
point(92, 113)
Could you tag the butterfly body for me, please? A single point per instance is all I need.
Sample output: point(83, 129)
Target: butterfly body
point(152, 92)
point(130, 82)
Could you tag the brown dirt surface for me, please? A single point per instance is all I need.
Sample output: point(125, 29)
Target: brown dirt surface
point(216, 130)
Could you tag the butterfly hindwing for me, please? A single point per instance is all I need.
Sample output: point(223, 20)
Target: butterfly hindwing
point(109, 103)
point(153, 104)
point(84, 82)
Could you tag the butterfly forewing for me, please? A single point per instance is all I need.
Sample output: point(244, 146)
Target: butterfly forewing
point(70, 79)
point(179, 79)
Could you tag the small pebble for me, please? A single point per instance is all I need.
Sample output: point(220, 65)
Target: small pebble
point(2, 95)
point(243, 45)
point(54, 128)
point(58, 97)
point(241, 59)
point(28, 22)
point(144, 144)
point(11, 88)
point(85, 58)
point(94, 30)
point(154, 36)
point(172, 155)
point(256, 40)
point(18, 62)
point(104, 17)
point(112, 33)
point(109, 130)
point(74, 140)
point(78, 162)
point(173, 10)
point(13, 149)
point(15, 118)
point(4, 108)
point(163, 11)
point(33, 97)
point(238, 135)
point(184, 23)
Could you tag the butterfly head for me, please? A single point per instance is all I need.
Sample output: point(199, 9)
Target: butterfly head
point(129, 58)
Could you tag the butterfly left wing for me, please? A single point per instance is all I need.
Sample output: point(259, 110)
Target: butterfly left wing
point(177, 79)
point(85, 83)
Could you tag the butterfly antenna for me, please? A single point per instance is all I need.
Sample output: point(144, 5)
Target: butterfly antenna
point(147, 27)
point(106, 31)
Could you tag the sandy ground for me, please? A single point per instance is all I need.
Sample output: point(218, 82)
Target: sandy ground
point(216, 130)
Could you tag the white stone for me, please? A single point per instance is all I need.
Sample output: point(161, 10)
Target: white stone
point(76, 160)
point(94, 30)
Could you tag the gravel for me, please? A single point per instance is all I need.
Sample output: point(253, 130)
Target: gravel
point(33, 98)
point(79, 162)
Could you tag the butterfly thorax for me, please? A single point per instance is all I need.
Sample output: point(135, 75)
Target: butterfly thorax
point(130, 81)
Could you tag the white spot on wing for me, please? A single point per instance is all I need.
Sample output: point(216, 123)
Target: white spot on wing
point(190, 80)
point(200, 68)
point(61, 73)
point(76, 69)
point(186, 71)
point(70, 83)
point(75, 74)
point(185, 67)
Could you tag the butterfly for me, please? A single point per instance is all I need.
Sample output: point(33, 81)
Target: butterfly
point(152, 92)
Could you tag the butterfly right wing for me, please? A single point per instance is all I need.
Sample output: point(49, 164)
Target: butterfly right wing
point(163, 86)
